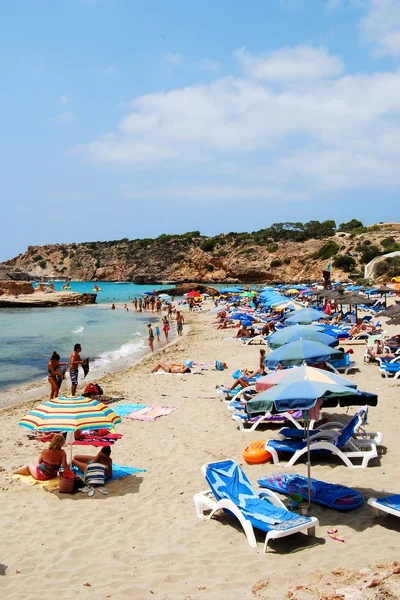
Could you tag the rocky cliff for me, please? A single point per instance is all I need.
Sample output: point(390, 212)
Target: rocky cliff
point(232, 257)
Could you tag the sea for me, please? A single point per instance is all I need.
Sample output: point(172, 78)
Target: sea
point(111, 338)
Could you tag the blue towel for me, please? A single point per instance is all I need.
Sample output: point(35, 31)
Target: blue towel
point(119, 471)
point(125, 409)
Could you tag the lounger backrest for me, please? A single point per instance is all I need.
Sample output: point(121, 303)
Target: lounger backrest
point(348, 431)
point(227, 480)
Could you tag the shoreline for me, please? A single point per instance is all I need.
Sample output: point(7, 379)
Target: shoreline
point(36, 390)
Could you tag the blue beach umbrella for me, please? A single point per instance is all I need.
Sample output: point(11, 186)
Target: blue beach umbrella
point(301, 351)
point(295, 333)
point(306, 316)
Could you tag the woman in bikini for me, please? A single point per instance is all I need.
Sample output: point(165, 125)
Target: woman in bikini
point(49, 462)
point(55, 376)
point(179, 368)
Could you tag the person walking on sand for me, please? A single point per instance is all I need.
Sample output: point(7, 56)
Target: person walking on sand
point(165, 327)
point(151, 337)
point(74, 362)
point(179, 322)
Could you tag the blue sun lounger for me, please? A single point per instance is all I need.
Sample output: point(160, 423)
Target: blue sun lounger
point(331, 495)
point(388, 504)
point(231, 491)
point(343, 444)
point(333, 428)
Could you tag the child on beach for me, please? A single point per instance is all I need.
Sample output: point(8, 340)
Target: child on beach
point(157, 332)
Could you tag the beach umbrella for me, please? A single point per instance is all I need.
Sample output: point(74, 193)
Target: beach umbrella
point(70, 414)
point(293, 334)
point(164, 296)
point(193, 294)
point(295, 374)
point(306, 316)
point(303, 395)
point(301, 351)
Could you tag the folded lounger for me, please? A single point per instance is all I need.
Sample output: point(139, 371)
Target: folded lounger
point(343, 445)
point(388, 504)
point(232, 492)
point(331, 495)
point(333, 428)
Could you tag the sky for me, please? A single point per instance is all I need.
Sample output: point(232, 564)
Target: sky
point(124, 118)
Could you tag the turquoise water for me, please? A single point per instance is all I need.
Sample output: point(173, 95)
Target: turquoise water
point(29, 335)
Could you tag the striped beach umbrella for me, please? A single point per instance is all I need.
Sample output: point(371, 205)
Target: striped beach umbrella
point(70, 414)
point(297, 374)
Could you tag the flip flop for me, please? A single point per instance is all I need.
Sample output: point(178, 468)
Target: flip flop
point(333, 534)
point(103, 491)
point(91, 492)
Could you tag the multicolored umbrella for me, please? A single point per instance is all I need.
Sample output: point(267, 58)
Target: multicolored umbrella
point(70, 414)
point(297, 374)
point(193, 294)
point(295, 353)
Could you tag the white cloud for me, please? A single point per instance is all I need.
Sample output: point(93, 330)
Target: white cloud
point(338, 132)
point(64, 118)
point(381, 26)
point(301, 62)
point(174, 58)
point(63, 99)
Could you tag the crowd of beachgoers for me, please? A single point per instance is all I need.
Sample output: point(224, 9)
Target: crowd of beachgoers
point(280, 391)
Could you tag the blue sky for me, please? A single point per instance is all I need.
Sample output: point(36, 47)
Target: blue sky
point(123, 118)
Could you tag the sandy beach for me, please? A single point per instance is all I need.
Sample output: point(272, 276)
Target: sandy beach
point(144, 541)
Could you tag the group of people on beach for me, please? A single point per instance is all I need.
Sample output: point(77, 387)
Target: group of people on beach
point(56, 373)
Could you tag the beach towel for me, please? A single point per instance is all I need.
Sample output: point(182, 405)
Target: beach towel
point(151, 413)
point(331, 495)
point(50, 484)
point(122, 410)
point(119, 471)
point(85, 367)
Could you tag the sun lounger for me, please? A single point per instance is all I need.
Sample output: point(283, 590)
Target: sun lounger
point(388, 504)
point(331, 495)
point(344, 445)
point(332, 428)
point(257, 339)
point(247, 423)
point(342, 365)
point(231, 491)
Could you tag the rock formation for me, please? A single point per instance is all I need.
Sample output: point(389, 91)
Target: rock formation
point(245, 257)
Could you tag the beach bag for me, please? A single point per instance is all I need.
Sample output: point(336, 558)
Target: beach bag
point(219, 365)
point(67, 478)
point(95, 474)
point(237, 374)
point(92, 389)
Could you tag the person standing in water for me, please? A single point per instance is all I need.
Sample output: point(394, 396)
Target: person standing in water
point(74, 362)
point(151, 337)
point(157, 332)
point(165, 327)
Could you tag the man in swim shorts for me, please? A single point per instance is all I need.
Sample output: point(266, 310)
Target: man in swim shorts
point(179, 323)
point(74, 362)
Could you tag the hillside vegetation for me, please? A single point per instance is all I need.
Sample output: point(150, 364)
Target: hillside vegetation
point(284, 252)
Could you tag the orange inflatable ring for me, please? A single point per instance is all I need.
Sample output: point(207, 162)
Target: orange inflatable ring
point(255, 452)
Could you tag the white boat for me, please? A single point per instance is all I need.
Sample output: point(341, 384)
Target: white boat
point(123, 282)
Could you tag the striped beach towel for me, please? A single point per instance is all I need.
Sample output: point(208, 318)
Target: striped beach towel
point(151, 413)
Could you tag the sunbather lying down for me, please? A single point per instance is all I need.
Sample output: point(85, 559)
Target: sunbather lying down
point(172, 368)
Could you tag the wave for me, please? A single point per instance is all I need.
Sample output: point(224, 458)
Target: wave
point(127, 350)
point(79, 329)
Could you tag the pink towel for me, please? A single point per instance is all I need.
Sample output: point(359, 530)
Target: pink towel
point(151, 413)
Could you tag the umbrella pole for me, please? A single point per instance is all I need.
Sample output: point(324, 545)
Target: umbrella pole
point(308, 461)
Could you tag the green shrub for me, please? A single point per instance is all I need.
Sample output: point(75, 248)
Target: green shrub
point(350, 225)
point(43, 264)
point(222, 253)
point(210, 268)
point(272, 249)
point(276, 263)
point(326, 251)
point(286, 261)
point(344, 262)
point(381, 268)
point(37, 258)
point(208, 245)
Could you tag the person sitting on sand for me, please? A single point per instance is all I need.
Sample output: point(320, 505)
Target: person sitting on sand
point(242, 332)
point(172, 368)
point(49, 462)
point(103, 457)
